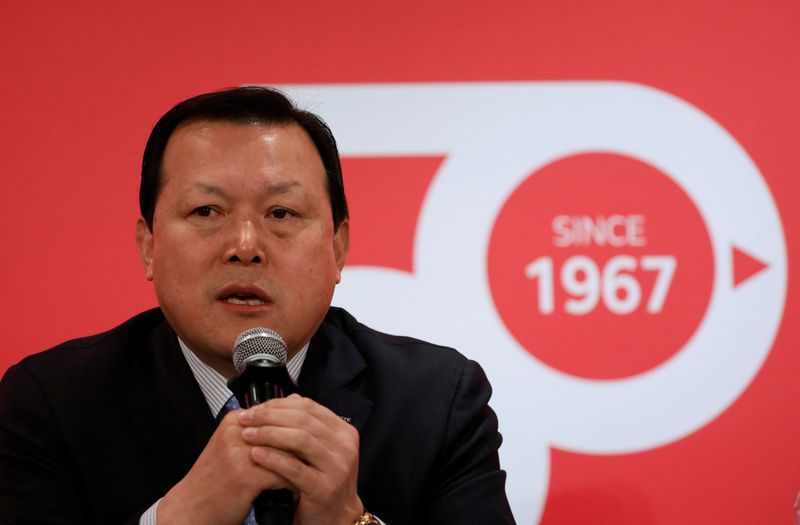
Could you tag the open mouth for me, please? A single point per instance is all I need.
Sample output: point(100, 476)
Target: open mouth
point(244, 299)
point(244, 295)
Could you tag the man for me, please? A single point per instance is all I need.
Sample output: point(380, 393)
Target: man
point(244, 224)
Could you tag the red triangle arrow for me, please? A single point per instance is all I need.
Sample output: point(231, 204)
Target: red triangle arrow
point(745, 266)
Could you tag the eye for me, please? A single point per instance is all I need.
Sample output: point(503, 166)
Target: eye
point(280, 213)
point(203, 211)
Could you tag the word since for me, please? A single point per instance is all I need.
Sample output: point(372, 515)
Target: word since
point(614, 230)
point(586, 284)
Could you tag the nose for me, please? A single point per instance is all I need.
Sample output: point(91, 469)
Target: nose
point(245, 247)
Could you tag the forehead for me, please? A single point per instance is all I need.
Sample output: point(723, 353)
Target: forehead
point(213, 149)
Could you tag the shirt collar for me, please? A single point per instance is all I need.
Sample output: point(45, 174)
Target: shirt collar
point(215, 386)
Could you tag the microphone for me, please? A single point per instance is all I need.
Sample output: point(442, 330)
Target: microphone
point(259, 356)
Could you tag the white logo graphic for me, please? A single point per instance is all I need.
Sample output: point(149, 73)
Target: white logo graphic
point(494, 135)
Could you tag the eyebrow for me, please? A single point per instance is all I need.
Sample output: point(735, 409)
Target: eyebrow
point(281, 187)
point(209, 188)
point(271, 189)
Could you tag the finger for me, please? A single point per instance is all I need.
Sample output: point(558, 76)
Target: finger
point(308, 405)
point(335, 457)
point(225, 474)
point(236, 451)
point(294, 411)
point(318, 490)
point(296, 474)
point(277, 481)
point(266, 423)
point(308, 439)
point(297, 441)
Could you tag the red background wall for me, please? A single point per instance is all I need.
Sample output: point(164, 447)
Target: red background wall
point(83, 85)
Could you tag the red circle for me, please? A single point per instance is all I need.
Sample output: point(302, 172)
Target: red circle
point(592, 215)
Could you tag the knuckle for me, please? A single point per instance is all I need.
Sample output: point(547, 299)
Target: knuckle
point(294, 469)
point(305, 440)
point(227, 420)
point(305, 420)
point(340, 469)
point(231, 455)
point(230, 435)
point(304, 402)
point(295, 397)
point(351, 439)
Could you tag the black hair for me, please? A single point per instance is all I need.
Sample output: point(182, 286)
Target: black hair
point(249, 105)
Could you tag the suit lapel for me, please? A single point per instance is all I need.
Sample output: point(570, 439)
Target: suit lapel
point(332, 374)
point(167, 406)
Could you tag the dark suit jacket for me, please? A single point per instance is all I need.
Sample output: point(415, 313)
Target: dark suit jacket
point(97, 429)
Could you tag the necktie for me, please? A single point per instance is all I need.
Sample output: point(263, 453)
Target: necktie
point(233, 404)
point(230, 405)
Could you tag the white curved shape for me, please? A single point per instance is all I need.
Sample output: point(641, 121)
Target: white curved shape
point(494, 136)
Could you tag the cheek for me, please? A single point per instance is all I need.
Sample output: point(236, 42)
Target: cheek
point(319, 260)
point(311, 272)
point(176, 261)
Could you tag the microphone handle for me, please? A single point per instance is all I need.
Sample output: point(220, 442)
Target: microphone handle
point(274, 507)
point(256, 383)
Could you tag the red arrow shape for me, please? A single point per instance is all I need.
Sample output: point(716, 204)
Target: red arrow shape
point(745, 266)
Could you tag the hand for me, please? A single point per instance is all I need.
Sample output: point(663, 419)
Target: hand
point(305, 444)
point(222, 484)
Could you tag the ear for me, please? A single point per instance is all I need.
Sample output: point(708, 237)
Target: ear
point(341, 245)
point(144, 242)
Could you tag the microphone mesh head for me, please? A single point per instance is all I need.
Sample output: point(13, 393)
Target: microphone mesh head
point(261, 342)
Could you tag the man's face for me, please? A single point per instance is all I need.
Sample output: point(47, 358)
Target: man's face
point(242, 236)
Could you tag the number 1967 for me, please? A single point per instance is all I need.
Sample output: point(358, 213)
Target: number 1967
point(620, 291)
